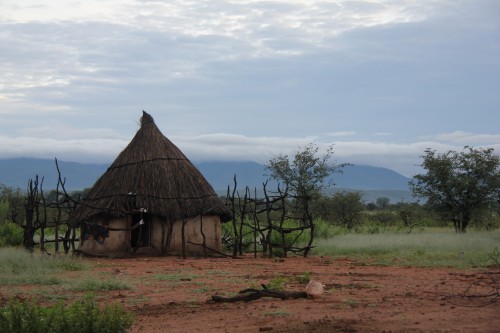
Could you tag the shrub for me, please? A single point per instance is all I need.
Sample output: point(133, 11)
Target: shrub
point(4, 210)
point(323, 229)
point(288, 239)
point(10, 234)
point(82, 316)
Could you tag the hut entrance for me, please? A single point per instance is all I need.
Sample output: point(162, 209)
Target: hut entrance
point(141, 236)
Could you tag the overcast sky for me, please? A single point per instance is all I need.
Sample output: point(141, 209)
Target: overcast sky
point(246, 80)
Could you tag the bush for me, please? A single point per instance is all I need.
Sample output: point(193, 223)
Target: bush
point(247, 231)
point(4, 210)
point(384, 218)
point(10, 234)
point(82, 316)
point(323, 229)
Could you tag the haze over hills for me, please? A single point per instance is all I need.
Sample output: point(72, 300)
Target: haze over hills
point(374, 182)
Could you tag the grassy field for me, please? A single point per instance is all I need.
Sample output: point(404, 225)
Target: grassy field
point(63, 280)
point(431, 247)
point(18, 268)
point(428, 248)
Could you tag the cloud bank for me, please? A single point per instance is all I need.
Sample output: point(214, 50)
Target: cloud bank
point(249, 79)
point(401, 157)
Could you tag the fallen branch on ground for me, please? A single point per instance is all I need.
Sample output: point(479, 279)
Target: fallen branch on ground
point(482, 289)
point(252, 294)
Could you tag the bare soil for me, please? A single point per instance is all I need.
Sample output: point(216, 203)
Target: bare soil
point(174, 295)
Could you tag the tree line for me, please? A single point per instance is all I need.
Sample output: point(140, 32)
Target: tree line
point(462, 189)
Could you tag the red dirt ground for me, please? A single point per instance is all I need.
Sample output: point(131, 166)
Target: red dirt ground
point(174, 295)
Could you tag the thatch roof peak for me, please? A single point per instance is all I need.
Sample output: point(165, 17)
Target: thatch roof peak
point(146, 118)
point(159, 177)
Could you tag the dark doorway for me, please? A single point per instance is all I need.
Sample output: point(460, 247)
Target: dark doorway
point(141, 236)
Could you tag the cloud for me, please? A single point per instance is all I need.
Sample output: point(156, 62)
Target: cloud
point(61, 131)
point(222, 146)
point(402, 157)
point(341, 133)
point(85, 151)
point(279, 74)
point(467, 138)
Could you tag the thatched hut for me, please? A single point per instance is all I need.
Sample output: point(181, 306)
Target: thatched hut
point(151, 200)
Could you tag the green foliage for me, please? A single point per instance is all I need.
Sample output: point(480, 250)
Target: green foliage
point(370, 227)
point(427, 248)
point(10, 234)
point(304, 173)
point(247, 232)
point(11, 204)
point(290, 238)
point(278, 283)
point(346, 208)
point(4, 210)
point(323, 229)
point(304, 277)
point(382, 202)
point(459, 185)
point(82, 316)
point(487, 219)
point(17, 266)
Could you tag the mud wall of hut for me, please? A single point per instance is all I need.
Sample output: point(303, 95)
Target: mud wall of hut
point(118, 242)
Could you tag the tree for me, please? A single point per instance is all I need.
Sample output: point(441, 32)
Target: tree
point(347, 208)
point(304, 174)
point(303, 177)
point(12, 202)
point(459, 184)
point(411, 215)
point(383, 202)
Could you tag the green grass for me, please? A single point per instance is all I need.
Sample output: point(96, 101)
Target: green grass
point(277, 283)
point(429, 248)
point(303, 278)
point(17, 266)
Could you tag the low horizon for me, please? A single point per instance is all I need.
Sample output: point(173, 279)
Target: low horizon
point(195, 161)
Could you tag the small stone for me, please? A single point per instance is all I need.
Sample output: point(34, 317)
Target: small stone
point(315, 289)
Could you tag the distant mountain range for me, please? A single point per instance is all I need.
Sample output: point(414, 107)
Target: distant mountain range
point(374, 182)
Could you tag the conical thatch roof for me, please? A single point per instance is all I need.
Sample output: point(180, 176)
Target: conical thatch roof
point(152, 173)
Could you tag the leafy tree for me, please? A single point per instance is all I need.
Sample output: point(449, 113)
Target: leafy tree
point(11, 204)
point(322, 209)
point(383, 202)
point(304, 174)
point(347, 208)
point(384, 217)
point(459, 184)
point(411, 214)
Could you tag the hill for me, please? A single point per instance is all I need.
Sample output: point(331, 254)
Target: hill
point(374, 182)
point(357, 177)
point(17, 171)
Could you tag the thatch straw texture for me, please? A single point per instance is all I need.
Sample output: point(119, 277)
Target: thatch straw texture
point(152, 173)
